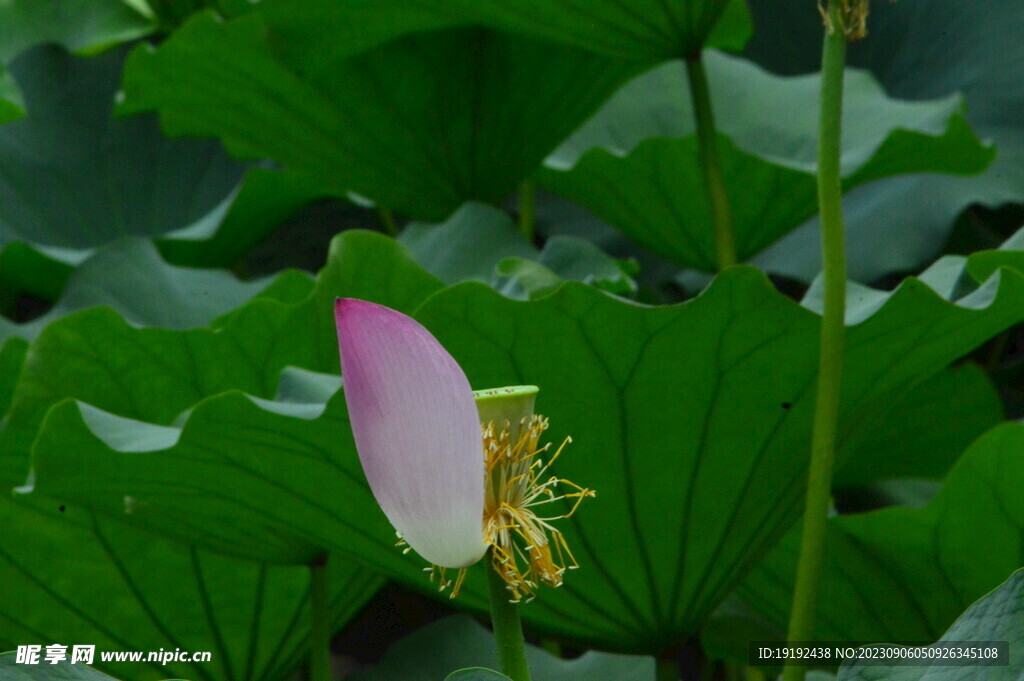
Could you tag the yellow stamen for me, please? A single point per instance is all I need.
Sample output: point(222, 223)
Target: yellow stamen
point(438, 574)
point(517, 486)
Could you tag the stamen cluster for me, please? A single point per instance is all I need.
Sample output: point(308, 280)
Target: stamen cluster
point(517, 486)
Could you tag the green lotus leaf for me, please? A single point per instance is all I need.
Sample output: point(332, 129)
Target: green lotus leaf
point(920, 427)
point(926, 565)
point(73, 578)
point(646, 30)
point(995, 617)
point(395, 102)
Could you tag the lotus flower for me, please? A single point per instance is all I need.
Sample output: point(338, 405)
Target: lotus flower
point(456, 472)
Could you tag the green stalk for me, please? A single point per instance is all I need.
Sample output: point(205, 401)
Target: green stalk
point(707, 138)
point(508, 630)
point(667, 669)
point(830, 365)
point(320, 634)
point(527, 208)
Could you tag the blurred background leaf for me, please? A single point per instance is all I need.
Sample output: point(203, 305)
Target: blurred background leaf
point(636, 162)
point(468, 245)
point(918, 50)
point(129, 276)
point(482, 243)
point(115, 178)
point(84, 26)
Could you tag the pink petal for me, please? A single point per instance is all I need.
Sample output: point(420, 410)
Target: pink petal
point(416, 429)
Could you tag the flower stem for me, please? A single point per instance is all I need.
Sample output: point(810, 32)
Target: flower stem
point(707, 138)
point(508, 630)
point(320, 634)
point(830, 364)
point(527, 208)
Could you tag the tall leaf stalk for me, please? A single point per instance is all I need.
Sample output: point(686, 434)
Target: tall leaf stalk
point(320, 634)
point(707, 140)
point(830, 366)
point(508, 629)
